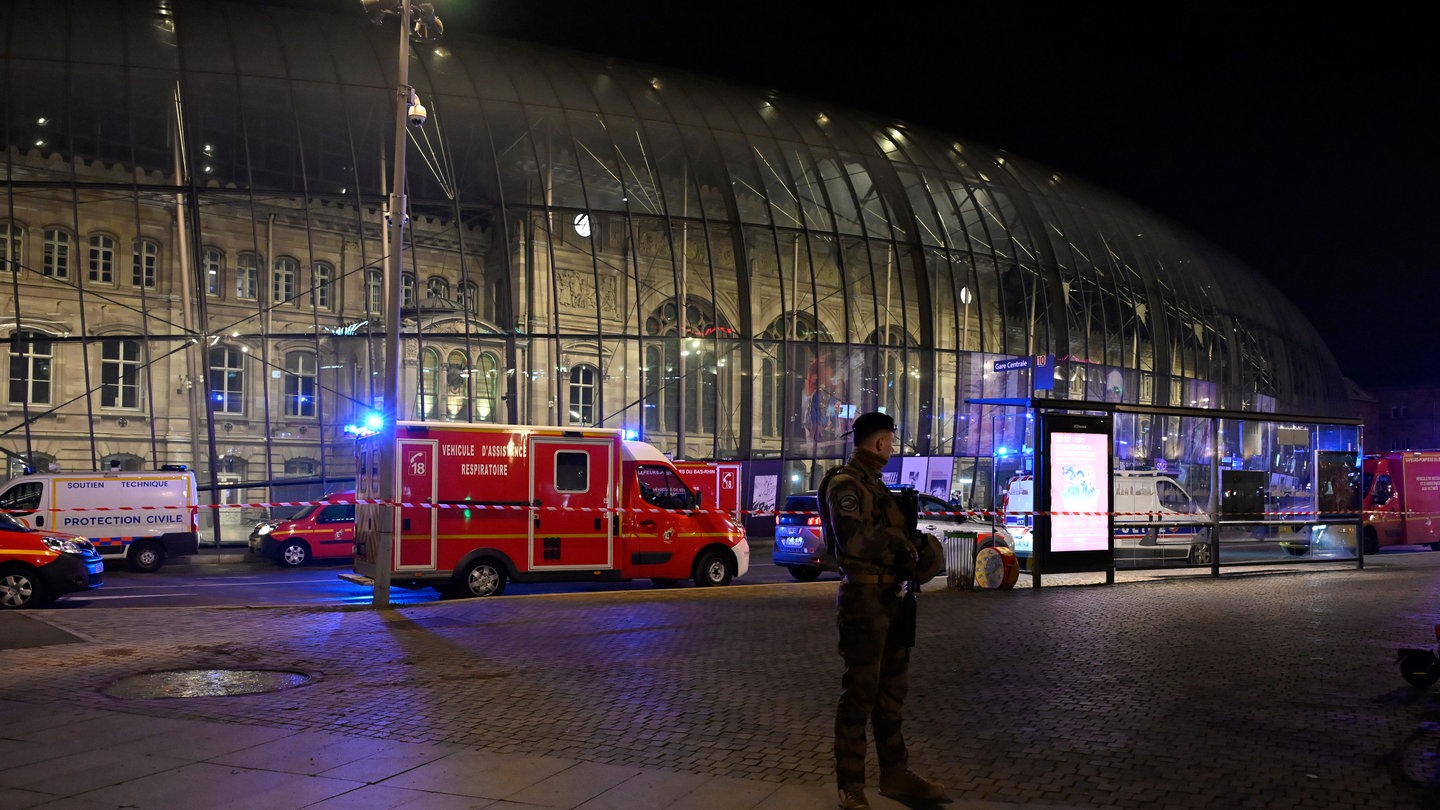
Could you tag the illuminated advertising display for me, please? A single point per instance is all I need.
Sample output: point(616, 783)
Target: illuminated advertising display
point(1073, 524)
point(1080, 491)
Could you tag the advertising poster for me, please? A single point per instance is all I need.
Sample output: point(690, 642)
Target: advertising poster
point(913, 470)
point(762, 496)
point(1074, 497)
point(941, 468)
point(1079, 491)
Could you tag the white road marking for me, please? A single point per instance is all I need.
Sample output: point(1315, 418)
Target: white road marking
point(136, 596)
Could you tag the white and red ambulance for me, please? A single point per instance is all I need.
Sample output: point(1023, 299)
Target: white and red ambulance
point(483, 505)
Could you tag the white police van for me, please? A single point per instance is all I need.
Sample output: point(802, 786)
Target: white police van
point(1155, 518)
point(143, 516)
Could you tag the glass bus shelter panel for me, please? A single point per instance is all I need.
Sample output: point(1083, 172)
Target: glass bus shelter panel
point(1013, 443)
point(1267, 471)
point(1168, 544)
point(1270, 542)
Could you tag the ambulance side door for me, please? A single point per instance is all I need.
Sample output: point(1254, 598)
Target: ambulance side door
point(656, 528)
point(571, 481)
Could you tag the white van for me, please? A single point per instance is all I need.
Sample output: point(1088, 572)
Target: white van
point(142, 516)
point(1154, 517)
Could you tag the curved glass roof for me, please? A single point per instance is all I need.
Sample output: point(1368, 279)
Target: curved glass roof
point(586, 199)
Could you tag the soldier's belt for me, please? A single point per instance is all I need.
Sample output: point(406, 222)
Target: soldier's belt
point(872, 579)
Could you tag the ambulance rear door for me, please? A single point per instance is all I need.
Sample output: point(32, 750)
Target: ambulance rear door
point(415, 545)
point(571, 482)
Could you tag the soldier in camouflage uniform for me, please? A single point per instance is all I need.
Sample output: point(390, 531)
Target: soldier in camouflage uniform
point(877, 556)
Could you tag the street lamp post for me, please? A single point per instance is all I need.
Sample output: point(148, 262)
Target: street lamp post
point(408, 110)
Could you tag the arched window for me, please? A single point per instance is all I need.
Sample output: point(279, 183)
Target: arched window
point(300, 384)
point(778, 354)
point(120, 373)
point(427, 405)
point(212, 262)
point(665, 358)
point(407, 290)
point(227, 380)
point(59, 245)
point(247, 275)
point(486, 377)
point(584, 380)
point(145, 264)
point(890, 384)
point(32, 368)
point(322, 286)
point(24, 463)
point(100, 258)
point(470, 297)
point(457, 387)
point(285, 281)
point(437, 287)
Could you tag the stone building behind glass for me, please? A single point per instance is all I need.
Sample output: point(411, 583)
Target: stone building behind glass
point(193, 236)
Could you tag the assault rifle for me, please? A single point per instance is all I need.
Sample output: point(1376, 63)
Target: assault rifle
point(909, 502)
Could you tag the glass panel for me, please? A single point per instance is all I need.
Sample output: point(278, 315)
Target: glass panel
point(595, 153)
point(746, 187)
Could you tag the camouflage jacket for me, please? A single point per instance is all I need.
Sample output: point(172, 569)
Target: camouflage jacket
point(862, 517)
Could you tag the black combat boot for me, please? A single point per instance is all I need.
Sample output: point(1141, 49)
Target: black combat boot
point(906, 784)
point(852, 797)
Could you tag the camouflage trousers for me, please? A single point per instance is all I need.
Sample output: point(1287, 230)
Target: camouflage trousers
point(875, 683)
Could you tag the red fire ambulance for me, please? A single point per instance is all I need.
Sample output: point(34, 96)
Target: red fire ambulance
point(1402, 499)
point(483, 505)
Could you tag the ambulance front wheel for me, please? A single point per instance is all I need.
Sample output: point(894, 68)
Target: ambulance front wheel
point(145, 556)
point(481, 578)
point(714, 568)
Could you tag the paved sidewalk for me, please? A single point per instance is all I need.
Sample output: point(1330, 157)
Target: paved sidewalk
point(1274, 690)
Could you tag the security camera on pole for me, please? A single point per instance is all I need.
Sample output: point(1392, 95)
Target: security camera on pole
point(426, 27)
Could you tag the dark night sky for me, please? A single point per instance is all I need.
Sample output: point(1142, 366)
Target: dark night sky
point(1297, 139)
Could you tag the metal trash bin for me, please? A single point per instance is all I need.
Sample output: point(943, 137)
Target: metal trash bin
point(960, 559)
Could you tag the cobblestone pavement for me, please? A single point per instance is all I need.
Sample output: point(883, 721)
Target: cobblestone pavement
point(1273, 689)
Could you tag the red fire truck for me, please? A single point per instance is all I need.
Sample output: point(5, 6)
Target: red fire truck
point(483, 505)
point(1402, 499)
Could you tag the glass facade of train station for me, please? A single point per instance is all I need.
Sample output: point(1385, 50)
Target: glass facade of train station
point(193, 239)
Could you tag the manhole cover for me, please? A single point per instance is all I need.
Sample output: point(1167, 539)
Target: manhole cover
point(183, 683)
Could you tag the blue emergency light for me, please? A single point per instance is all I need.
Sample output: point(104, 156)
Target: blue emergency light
point(370, 423)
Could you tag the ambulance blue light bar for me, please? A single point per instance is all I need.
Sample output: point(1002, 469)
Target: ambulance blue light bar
point(370, 424)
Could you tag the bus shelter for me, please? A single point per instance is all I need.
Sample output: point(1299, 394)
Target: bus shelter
point(1187, 487)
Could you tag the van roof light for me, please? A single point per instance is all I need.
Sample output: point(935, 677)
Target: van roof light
point(174, 467)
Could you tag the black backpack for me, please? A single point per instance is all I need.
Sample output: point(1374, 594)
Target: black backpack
point(825, 535)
